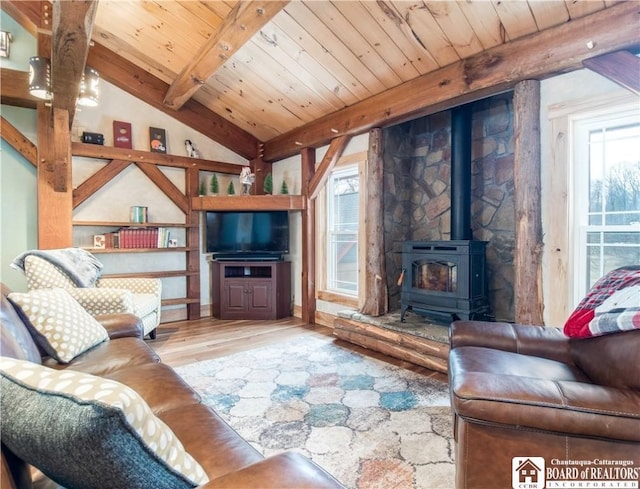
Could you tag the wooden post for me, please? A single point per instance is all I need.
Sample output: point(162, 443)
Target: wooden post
point(527, 260)
point(308, 156)
point(374, 293)
point(192, 177)
point(55, 197)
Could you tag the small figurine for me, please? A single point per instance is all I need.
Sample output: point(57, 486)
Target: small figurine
point(246, 179)
point(190, 148)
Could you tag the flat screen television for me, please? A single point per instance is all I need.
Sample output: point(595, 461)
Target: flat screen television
point(247, 234)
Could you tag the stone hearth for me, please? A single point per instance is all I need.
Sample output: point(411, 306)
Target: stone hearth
point(418, 340)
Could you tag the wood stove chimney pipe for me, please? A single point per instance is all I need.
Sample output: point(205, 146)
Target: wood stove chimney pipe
point(461, 173)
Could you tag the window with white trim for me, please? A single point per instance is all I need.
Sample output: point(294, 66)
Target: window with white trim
point(343, 190)
point(606, 167)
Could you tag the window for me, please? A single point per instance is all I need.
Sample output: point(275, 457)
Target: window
point(342, 231)
point(606, 166)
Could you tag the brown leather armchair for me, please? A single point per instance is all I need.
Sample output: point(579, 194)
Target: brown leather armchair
point(519, 392)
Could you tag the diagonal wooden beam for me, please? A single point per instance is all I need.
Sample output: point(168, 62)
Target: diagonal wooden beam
point(141, 84)
point(26, 13)
point(70, 38)
point(243, 22)
point(19, 141)
point(166, 185)
point(621, 67)
point(98, 180)
point(336, 148)
point(544, 54)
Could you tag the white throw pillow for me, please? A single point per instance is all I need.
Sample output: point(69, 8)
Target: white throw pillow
point(61, 326)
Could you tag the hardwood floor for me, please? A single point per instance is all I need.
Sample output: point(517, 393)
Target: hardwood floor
point(183, 342)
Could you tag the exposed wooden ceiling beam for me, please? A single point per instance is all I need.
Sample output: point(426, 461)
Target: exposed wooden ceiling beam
point(244, 20)
point(70, 39)
point(19, 141)
point(621, 67)
point(556, 50)
point(336, 148)
point(141, 84)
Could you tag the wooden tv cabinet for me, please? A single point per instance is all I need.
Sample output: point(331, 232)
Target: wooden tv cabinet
point(250, 289)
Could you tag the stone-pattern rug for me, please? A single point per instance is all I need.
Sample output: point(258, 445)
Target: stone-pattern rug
point(370, 424)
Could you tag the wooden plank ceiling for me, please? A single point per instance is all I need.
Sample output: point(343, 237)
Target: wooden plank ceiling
point(316, 57)
point(271, 67)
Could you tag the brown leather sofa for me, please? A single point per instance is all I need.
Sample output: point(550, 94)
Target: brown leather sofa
point(529, 391)
point(228, 460)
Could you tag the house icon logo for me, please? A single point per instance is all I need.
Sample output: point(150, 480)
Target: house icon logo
point(527, 473)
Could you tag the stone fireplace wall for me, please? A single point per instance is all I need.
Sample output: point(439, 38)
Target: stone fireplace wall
point(417, 192)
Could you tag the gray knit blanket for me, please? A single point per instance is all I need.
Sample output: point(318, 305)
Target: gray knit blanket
point(79, 265)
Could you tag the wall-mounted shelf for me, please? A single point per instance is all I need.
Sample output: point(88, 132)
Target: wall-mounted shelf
point(249, 203)
point(139, 250)
point(133, 224)
point(112, 153)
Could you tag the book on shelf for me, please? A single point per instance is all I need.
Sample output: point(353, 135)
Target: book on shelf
point(132, 238)
point(122, 134)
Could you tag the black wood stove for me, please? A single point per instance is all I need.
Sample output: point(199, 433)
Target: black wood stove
point(444, 277)
point(448, 277)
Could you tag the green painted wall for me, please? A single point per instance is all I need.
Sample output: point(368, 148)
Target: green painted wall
point(18, 200)
point(18, 183)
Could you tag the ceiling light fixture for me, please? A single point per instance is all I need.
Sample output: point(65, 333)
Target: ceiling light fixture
point(40, 77)
point(40, 82)
point(89, 88)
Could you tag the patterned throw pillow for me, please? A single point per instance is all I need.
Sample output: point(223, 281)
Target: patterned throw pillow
point(42, 274)
point(87, 432)
point(608, 307)
point(58, 323)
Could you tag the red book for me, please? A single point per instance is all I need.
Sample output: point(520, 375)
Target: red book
point(122, 134)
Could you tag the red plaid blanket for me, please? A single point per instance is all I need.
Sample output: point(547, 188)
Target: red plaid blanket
point(584, 322)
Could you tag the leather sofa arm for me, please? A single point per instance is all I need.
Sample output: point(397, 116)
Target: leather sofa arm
point(121, 325)
point(288, 470)
point(538, 341)
point(575, 408)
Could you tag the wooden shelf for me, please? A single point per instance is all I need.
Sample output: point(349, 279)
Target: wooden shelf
point(112, 153)
point(168, 273)
point(249, 203)
point(127, 224)
point(138, 250)
point(177, 302)
point(149, 163)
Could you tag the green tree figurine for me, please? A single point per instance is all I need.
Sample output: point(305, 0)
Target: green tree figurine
point(268, 184)
point(214, 185)
point(231, 190)
point(284, 190)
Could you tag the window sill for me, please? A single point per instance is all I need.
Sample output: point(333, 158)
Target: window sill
point(336, 298)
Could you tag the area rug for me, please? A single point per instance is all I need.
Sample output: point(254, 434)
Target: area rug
point(372, 425)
